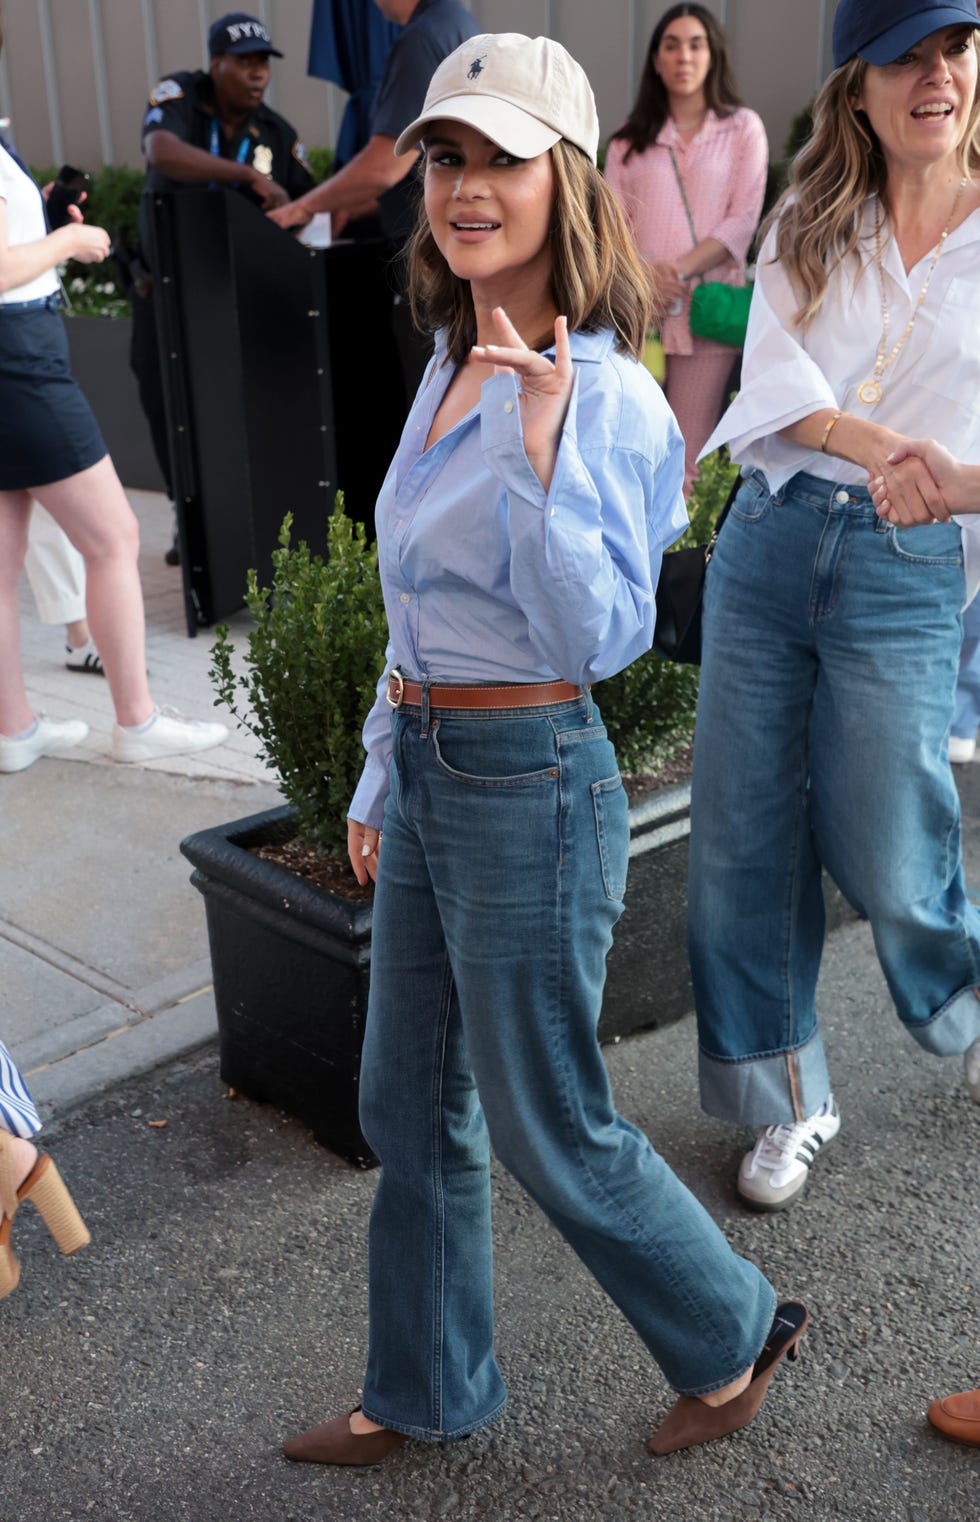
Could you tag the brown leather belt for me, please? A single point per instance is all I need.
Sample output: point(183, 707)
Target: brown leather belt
point(518, 695)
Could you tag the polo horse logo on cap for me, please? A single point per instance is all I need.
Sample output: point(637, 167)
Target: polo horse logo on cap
point(476, 67)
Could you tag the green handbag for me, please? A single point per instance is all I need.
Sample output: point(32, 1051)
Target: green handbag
point(718, 311)
point(721, 312)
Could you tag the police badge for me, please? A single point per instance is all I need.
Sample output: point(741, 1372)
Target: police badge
point(262, 159)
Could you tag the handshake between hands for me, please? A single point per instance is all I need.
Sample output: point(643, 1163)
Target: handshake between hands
point(921, 482)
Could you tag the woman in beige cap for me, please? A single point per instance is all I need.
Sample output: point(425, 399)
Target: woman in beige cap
point(520, 532)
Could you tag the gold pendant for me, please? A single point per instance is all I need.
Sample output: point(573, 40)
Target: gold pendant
point(869, 392)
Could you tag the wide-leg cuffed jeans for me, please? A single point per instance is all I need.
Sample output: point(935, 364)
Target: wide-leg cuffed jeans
point(831, 643)
point(502, 872)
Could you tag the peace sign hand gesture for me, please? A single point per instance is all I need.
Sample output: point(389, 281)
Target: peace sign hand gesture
point(545, 388)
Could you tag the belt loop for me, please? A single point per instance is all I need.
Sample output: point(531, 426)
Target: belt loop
point(589, 705)
point(424, 701)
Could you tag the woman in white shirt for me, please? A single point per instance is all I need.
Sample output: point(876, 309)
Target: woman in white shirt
point(832, 634)
point(51, 449)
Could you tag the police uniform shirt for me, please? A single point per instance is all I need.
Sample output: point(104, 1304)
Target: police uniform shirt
point(433, 31)
point(185, 104)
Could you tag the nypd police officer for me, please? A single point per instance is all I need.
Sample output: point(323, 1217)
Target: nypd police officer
point(210, 127)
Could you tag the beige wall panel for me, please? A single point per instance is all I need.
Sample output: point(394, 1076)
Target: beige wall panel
point(313, 106)
point(527, 16)
point(27, 106)
point(125, 51)
point(777, 55)
point(777, 46)
point(76, 83)
point(177, 24)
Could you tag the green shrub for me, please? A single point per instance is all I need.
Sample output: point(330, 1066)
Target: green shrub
point(649, 708)
point(320, 161)
point(311, 668)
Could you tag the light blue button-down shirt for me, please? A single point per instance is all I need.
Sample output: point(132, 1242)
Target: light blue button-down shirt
point(486, 577)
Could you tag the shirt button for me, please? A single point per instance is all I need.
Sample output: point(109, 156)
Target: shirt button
point(406, 597)
point(842, 497)
point(508, 406)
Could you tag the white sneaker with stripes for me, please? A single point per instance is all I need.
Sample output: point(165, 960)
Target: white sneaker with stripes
point(775, 1171)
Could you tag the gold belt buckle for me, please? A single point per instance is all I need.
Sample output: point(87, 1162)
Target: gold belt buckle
point(395, 676)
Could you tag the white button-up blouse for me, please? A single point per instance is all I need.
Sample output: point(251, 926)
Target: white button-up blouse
point(932, 389)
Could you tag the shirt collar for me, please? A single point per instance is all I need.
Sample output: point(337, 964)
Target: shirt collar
point(669, 137)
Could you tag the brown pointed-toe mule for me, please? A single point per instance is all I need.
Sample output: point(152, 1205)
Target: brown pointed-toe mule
point(333, 1442)
point(690, 1421)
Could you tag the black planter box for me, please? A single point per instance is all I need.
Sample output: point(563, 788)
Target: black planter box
point(648, 982)
point(290, 966)
point(99, 352)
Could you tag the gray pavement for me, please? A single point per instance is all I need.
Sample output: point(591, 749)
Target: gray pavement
point(222, 1305)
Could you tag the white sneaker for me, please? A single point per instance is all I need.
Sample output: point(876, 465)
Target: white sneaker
point(84, 658)
point(49, 738)
point(971, 1065)
point(775, 1171)
point(170, 734)
point(961, 750)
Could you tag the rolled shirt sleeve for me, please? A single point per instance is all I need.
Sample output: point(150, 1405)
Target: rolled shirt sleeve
point(749, 162)
point(584, 559)
point(781, 383)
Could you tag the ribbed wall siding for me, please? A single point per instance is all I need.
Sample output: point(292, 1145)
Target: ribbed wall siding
point(75, 74)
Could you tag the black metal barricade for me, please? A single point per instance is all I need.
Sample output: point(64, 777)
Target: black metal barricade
point(282, 383)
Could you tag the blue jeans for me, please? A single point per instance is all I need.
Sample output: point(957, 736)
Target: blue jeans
point(966, 719)
point(831, 643)
point(503, 867)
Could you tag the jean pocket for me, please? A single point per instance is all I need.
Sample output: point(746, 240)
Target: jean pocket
point(927, 543)
point(487, 753)
point(754, 498)
point(612, 834)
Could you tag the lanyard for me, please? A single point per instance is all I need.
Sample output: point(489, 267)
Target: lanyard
point(243, 146)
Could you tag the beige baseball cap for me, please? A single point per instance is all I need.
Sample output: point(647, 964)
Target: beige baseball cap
point(523, 93)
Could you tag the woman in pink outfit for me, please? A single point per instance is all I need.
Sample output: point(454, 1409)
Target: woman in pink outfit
point(688, 128)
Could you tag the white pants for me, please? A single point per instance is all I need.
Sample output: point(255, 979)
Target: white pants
point(55, 570)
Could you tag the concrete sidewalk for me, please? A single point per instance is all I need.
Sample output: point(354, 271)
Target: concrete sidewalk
point(104, 967)
point(222, 1303)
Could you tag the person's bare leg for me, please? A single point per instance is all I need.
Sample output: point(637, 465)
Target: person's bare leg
point(92, 509)
point(77, 633)
point(16, 713)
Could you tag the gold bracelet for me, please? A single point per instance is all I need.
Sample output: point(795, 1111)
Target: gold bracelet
point(826, 433)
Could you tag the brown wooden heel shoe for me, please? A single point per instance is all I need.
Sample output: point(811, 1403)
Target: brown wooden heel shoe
point(333, 1442)
point(690, 1421)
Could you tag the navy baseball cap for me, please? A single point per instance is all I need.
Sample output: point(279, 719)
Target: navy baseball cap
point(879, 31)
point(239, 33)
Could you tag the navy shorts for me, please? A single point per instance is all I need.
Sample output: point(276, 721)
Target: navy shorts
point(47, 430)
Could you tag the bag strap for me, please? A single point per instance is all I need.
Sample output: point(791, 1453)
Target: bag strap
point(680, 186)
point(687, 208)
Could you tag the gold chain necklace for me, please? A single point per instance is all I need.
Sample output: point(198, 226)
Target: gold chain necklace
point(869, 392)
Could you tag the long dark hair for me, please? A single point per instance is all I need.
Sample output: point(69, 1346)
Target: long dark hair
point(652, 106)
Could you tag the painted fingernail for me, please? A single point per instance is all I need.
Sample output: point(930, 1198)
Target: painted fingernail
point(366, 849)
